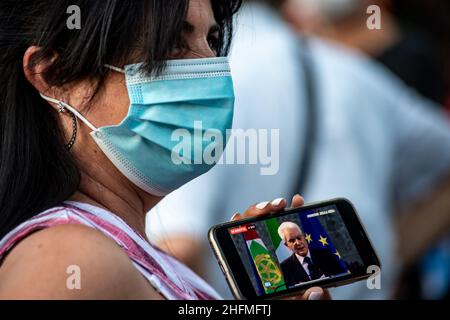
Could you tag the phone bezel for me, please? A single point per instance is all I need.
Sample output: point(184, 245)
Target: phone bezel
point(239, 282)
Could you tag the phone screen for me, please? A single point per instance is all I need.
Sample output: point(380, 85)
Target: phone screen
point(287, 251)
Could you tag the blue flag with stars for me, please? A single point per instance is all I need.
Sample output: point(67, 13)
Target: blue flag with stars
point(317, 237)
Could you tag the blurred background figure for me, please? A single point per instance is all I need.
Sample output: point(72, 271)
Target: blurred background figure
point(414, 40)
point(414, 44)
point(348, 128)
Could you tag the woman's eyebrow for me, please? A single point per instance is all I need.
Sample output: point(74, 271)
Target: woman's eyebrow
point(189, 28)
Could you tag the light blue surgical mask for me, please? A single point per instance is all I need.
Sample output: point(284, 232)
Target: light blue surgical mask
point(194, 96)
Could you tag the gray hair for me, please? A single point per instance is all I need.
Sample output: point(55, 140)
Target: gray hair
point(288, 225)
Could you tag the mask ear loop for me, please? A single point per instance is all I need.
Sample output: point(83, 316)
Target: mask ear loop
point(114, 68)
point(62, 107)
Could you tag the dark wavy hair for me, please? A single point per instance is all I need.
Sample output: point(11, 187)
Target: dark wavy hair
point(36, 172)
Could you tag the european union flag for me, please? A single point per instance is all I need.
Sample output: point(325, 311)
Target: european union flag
point(317, 238)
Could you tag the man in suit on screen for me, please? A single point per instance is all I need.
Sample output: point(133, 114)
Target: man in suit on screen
point(305, 264)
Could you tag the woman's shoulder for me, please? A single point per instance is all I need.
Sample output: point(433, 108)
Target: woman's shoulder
point(70, 261)
point(55, 216)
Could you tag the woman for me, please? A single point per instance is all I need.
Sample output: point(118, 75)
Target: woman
point(86, 124)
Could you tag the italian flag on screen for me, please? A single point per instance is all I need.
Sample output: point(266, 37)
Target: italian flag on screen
point(267, 267)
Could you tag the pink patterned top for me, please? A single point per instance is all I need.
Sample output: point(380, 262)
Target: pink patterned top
point(169, 277)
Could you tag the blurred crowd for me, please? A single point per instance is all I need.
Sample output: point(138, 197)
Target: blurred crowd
point(413, 41)
point(362, 114)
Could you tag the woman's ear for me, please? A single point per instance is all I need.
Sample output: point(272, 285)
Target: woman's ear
point(34, 72)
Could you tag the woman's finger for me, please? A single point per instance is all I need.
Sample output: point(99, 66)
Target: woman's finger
point(236, 216)
point(266, 207)
point(269, 207)
point(297, 201)
point(314, 293)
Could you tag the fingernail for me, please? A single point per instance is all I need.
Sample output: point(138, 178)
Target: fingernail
point(234, 216)
point(262, 205)
point(315, 296)
point(277, 202)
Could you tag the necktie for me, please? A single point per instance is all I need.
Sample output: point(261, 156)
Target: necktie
point(310, 266)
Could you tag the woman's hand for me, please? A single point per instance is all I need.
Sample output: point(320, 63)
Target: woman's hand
point(277, 206)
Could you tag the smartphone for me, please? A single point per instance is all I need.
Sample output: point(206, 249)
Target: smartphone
point(275, 256)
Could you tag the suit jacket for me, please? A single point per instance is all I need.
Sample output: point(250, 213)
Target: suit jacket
point(323, 263)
